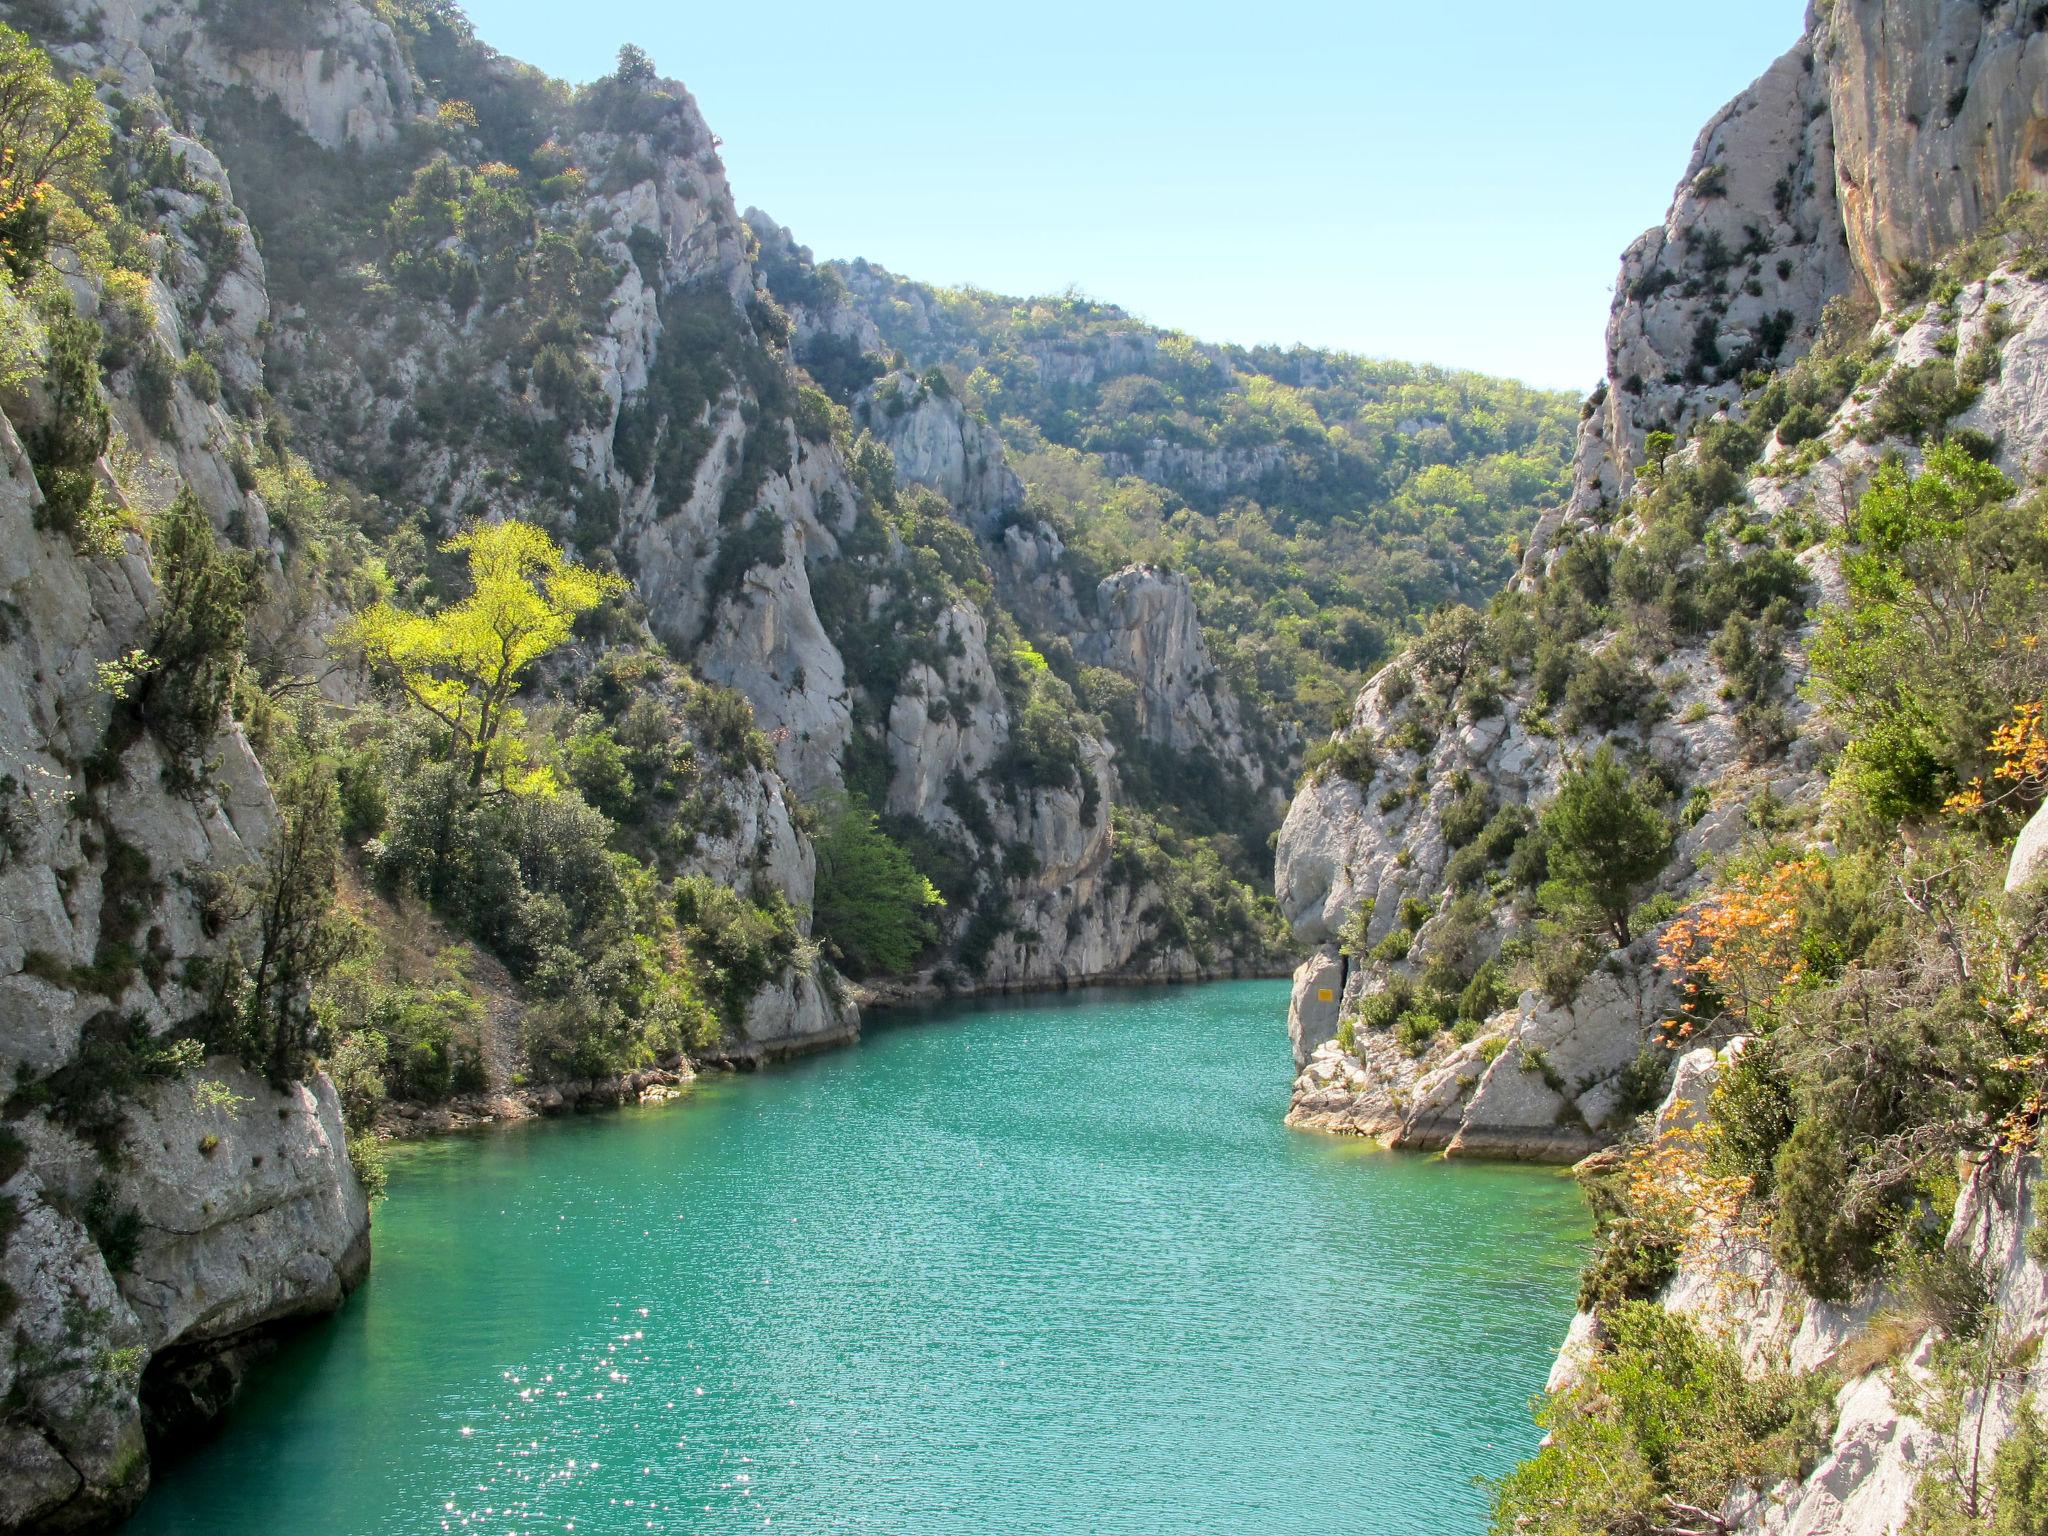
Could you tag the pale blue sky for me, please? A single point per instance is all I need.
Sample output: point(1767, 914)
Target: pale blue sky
point(1449, 182)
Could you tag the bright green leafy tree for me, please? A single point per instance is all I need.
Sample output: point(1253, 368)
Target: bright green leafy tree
point(872, 904)
point(463, 665)
point(53, 143)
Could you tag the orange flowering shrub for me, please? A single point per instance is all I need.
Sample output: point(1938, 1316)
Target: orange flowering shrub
point(2021, 747)
point(2019, 1010)
point(1738, 950)
point(1671, 1181)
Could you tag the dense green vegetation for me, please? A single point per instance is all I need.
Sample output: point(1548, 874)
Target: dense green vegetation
point(1359, 494)
point(1664, 1424)
point(872, 904)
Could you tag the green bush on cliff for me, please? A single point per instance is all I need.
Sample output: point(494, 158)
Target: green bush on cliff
point(1635, 1259)
point(1349, 755)
point(195, 643)
point(1662, 1422)
point(872, 906)
point(1918, 696)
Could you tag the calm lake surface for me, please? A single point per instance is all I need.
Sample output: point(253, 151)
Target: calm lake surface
point(1045, 1266)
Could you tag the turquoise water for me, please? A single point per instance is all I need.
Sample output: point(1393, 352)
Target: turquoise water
point(1041, 1267)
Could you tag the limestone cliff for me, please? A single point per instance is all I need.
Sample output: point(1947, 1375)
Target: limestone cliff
point(1815, 232)
point(1767, 165)
point(146, 1242)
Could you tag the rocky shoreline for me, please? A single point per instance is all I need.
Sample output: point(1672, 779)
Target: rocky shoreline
point(400, 1120)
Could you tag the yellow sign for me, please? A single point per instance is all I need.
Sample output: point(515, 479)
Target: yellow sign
point(1324, 995)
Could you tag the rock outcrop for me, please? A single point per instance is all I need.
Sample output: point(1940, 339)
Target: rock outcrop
point(148, 1240)
point(1814, 206)
point(936, 443)
point(1734, 280)
point(1763, 227)
point(1939, 114)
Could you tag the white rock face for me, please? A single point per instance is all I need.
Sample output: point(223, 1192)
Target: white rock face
point(269, 1223)
point(1940, 113)
point(249, 1213)
point(937, 444)
point(1207, 471)
point(769, 643)
point(1750, 253)
point(946, 726)
point(352, 88)
point(1318, 1000)
point(1146, 627)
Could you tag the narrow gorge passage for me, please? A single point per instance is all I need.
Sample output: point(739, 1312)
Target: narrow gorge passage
point(1048, 1266)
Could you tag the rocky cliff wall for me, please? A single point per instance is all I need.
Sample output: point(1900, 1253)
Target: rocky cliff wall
point(207, 1206)
point(1807, 224)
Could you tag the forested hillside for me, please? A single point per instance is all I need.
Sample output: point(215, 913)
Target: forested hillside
point(1321, 503)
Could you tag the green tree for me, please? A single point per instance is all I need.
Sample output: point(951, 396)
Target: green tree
point(1605, 838)
point(1936, 645)
point(75, 429)
point(636, 68)
point(872, 904)
point(302, 936)
point(1452, 640)
point(463, 665)
point(53, 146)
point(196, 640)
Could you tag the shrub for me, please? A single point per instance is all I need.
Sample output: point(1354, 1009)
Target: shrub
point(366, 1157)
point(1754, 1111)
point(1913, 402)
point(1414, 1031)
point(77, 426)
point(1349, 755)
point(156, 388)
point(2019, 1477)
point(201, 377)
point(1485, 994)
point(116, 1229)
point(433, 1041)
point(872, 904)
point(1824, 1242)
point(1664, 1415)
point(1394, 947)
point(1636, 1259)
point(724, 721)
point(743, 945)
point(1607, 689)
point(1379, 1010)
point(1466, 816)
point(356, 1068)
point(1641, 1085)
point(196, 639)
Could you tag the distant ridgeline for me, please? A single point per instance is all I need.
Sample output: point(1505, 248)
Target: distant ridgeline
point(1710, 851)
point(1320, 503)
